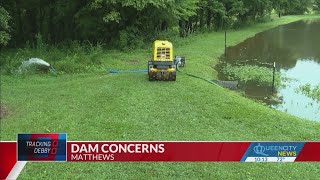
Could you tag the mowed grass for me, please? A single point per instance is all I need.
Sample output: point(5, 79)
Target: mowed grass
point(109, 107)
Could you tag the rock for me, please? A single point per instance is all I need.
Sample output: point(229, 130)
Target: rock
point(34, 64)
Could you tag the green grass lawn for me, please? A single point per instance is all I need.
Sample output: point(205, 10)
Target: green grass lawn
point(106, 107)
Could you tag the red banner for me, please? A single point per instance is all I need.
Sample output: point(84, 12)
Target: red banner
point(170, 152)
point(156, 151)
point(309, 153)
point(8, 158)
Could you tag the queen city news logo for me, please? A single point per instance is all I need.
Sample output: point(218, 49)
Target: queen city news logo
point(272, 151)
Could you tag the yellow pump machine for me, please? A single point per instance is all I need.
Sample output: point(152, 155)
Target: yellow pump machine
point(162, 66)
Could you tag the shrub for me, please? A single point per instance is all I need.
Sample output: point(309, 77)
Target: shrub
point(311, 92)
point(251, 73)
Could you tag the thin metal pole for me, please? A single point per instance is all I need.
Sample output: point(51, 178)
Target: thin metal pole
point(273, 77)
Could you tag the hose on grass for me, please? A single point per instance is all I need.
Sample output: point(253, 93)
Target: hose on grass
point(126, 71)
point(198, 77)
point(143, 70)
point(53, 69)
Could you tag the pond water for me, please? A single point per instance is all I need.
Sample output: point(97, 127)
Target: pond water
point(296, 50)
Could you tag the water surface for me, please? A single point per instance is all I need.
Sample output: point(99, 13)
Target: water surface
point(296, 50)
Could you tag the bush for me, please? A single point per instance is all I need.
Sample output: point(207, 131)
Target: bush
point(75, 58)
point(311, 92)
point(251, 73)
point(130, 38)
point(173, 35)
point(39, 40)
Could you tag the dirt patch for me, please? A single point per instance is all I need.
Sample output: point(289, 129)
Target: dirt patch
point(3, 111)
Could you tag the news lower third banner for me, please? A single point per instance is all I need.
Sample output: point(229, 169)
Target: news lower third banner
point(55, 147)
point(193, 151)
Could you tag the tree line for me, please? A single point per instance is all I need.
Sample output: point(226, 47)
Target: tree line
point(122, 23)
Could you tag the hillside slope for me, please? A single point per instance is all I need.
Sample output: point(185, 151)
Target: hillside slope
point(108, 107)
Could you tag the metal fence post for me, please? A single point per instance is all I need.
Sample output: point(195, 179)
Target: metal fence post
point(273, 77)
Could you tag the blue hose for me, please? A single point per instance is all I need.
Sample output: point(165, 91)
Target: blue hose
point(128, 71)
point(53, 69)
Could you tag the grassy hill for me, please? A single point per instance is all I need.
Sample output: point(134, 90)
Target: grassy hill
point(110, 107)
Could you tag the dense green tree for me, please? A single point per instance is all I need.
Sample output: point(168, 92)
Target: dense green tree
point(278, 6)
point(216, 14)
point(316, 6)
point(296, 6)
point(257, 8)
point(123, 23)
point(4, 26)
